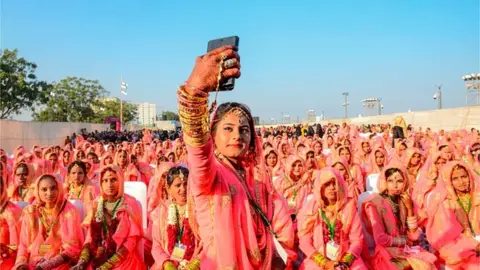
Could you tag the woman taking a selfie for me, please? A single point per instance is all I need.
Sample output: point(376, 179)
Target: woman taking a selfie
point(51, 235)
point(243, 223)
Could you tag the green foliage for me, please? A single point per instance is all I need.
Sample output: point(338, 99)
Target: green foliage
point(19, 88)
point(111, 108)
point(72, 100)
point(168, 116)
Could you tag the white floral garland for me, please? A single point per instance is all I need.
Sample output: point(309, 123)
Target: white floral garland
point(100, 213)
point(172, 214)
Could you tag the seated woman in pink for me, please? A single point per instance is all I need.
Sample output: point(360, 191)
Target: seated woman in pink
point(329, 229)
point(174, 243)
point(354, 184)
point(272, 163)
point(454, 217)
point(9, 227)
point(78, 186)
point(413, 163)
point(355, 170)
point(157, 189)
point(51, 235)
point(378, 160)
point(293, 184)
point(243, 223)
point(113, 226)
point(389, 218)
point(22, 188)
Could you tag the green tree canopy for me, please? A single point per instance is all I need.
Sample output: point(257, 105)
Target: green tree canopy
point(111, 108)
point(168, 116)
point(72, 100)
point(19, 88)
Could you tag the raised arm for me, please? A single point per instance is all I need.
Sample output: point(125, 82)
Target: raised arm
point(206, 76)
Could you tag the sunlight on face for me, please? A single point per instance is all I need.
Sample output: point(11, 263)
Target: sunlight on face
point(232, 135)
point(395, 183)
point(379, 158)
point(460, 180)
point(110, 184)
point(272, 159)
point(178, 191)
point(48, 190)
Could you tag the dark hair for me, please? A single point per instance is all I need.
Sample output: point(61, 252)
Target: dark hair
point(22, 165)
point(78, 163)
point(174, 172)
point(92, 154)
point(441, 147)
point(392, 171)
point(227, 107)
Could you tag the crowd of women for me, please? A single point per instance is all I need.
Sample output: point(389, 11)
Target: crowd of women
point(223, 197)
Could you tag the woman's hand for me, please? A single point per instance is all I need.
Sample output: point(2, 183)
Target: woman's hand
point(405, 197)
point(81, 265)
point(204, 76)
point(198, 250)
point(330, 265)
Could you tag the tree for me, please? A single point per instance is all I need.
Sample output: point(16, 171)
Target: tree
point(168, 116)
point(111, 108)
point(19, 88)
point(72, 100)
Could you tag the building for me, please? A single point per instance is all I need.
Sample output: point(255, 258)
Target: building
point(147, 113)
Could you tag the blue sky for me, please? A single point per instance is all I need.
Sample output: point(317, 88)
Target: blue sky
point(296, 55)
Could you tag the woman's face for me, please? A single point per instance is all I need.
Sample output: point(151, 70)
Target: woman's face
point(447, 153)
point(110, 184)
point(379, 158)
point(460, 180)
point(21, 175)
point(272, 160)
point(415, 160)
point(138, 149)
point(297, 169)
point(343, 171)
point(48, 190)
point(77, 175)
point(110, 148)
point(284, 149)
point(122, 158)
point(439, 163)
point(329, 191)
point(233, 135)
point(395, 184)
point(80, 155)
point(402, 149)
point(53, 158)
point(179, 151)
point(347, 143)
point(66, 157)
point(178, 191)
point(366, 148)
point(108, 160)
point(171, 157)
point(345, 153)
point(330, 140)
point(93, 158)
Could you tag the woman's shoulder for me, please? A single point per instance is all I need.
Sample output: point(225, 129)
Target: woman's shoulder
point(374, 199)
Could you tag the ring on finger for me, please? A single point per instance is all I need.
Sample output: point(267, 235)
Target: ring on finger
point(229, 63)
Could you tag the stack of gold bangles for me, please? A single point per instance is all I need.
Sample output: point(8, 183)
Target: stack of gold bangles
point(193, 112)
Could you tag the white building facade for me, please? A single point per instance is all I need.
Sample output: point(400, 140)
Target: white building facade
point(147, 113)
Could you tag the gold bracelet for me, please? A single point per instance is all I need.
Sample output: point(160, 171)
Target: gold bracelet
point(194, 265)
point(85, 254)
point(348, 259)
point(184, 93)
point(168, 265)
point(319, 259)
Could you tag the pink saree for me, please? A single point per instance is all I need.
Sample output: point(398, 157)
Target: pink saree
point(451, 230)
point(311, 229)
point(388, 231)
point(233, 235)
point(37, 242)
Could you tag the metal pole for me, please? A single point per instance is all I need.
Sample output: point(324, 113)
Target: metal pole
point(121, 103)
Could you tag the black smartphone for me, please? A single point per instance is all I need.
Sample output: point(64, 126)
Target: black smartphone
point(229, 84)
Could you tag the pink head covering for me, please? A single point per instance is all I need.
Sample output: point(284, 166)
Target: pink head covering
point(382, 180)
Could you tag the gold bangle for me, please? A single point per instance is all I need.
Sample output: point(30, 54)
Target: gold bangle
point(168, 265)
point(184, 93)
point(348, 259)
point(194, 265)
point(319, 259)
point(85, 254)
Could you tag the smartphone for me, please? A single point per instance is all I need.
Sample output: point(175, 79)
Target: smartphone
point(229, 84)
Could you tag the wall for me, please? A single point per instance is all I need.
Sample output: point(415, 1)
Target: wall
point(447, 119)
point(28, 134)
